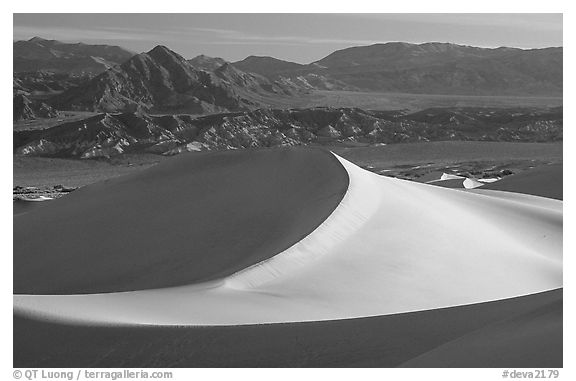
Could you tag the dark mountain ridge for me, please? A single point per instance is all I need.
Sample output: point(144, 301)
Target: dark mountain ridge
point(107, 135)
point(429, 68)
point(26, 109)
point(162, 81)
point(268, 66)
point(72, 58)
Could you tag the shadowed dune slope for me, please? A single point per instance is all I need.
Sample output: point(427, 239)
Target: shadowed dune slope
point(452, 183)
point(23, 206)
point(194, 218)
point(523, 340)
point(545, 181)
point(492, 331)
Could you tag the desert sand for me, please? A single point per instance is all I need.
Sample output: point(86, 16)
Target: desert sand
point(382, 341)
point(391, 246)
point(435, 271)
point(195, 217)
point(449, 180)
point(544, 181)
point(20, 206)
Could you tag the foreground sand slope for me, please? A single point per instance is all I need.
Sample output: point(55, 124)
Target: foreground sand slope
point(523, 340)
point(391, 246)
point(381, 341)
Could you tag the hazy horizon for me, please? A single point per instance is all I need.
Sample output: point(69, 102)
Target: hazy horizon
point(302, 38)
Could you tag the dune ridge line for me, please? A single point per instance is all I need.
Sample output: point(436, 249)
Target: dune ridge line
point(404, 247)
point(359, 202)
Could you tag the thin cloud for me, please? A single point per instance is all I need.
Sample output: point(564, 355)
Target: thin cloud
point(67, 34)
point(531, 22)
point(238, 38)
point(204, 35)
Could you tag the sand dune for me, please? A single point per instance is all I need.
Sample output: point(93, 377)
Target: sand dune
point(24, 205)
point(489, 180)
point(522, 340)
point(389, 247)
point(193, 218)
point(452, 183)
point(382, 341)
point(544, 181)
point(449, 176)
point(471, 183)
point(448, 180)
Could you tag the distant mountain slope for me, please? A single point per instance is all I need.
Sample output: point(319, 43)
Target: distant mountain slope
point(163, 81)
point(250, 82)
point(203, 62)
point(430, 68)
point(107, 135)
point(268, 66)
point(25, 109)
point(59, 57)
point(231, 73)
point(291, 74)
point(44, 84)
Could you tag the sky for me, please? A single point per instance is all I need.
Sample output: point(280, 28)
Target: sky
point(301, 38)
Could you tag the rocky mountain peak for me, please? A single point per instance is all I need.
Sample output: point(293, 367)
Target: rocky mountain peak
point(37, 39)
point(161, 52)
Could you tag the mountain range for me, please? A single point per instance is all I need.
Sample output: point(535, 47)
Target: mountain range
point(430, 68)
point(109, 134)
point(25, 109)
point(155, 101)
point(58, 57)
point(162, 81)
